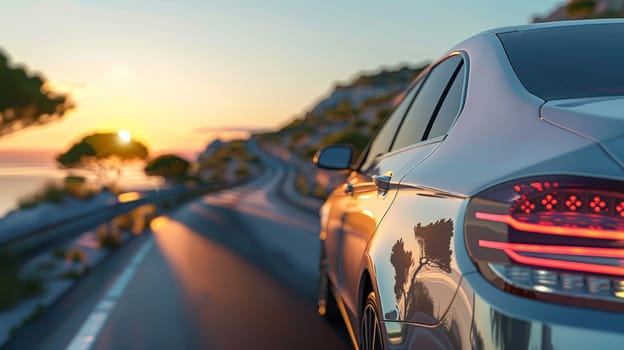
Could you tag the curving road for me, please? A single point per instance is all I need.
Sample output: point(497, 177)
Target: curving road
point(235, 269)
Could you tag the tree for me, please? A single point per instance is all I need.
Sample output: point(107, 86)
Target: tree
point(434, 242)
point(402, 261)
point(104, 154)
point(26, 99)
point(169, 166)
point(581, 8)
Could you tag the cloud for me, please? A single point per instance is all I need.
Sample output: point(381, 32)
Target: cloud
point(229, 129)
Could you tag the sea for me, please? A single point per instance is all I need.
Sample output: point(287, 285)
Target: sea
point(19, 179)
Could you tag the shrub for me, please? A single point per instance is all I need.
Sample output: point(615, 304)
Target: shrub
point(124, 222)
point(319, 191)
point(51, 193)
point(59, 253)
point(12, 287)
point(242, 171)
point(76, 255)
point(77, 187)
point(301, 184)
point(32, 286)
point(107, 238)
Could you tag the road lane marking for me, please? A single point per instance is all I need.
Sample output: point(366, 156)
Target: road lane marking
point(88, 333)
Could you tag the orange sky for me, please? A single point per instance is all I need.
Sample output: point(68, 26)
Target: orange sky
point(166, 70)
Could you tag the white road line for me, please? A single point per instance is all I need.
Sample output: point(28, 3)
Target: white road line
point(88, 333)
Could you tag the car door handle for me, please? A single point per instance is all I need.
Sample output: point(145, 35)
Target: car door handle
point(348, 189)
point(382, 182)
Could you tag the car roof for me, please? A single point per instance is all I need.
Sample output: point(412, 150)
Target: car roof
point(557, 24)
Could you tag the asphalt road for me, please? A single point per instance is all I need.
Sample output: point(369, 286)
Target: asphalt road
point(232, 270)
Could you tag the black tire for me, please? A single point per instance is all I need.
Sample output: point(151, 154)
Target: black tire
point(370, 325)
point(327, 307)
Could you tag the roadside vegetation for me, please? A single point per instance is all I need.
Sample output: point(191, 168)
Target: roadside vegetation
point(227, 161)
point(13, 286)
point(56, 193)
point(171, 167)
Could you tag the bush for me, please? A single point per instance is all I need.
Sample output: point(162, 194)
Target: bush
point(76, 255)
point(169, 166)
point(12, 287)
point(77, 274)
point(59, 253)
point(108, 239)
point(51, 193)
point(301, 184)
point(319, 191)
point(77, 187)
point(32, 286)
point(10, 292)
point(242, 171)
point(124, 222)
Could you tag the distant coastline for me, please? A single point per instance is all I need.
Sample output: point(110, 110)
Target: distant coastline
point(24, 177)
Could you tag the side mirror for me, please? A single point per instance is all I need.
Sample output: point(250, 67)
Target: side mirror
point(335, 157)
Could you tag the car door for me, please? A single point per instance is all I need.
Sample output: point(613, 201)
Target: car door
point(358, 186)
point(413, 248)
point(374, 186)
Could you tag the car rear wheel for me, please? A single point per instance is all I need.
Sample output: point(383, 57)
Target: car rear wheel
point(370, 326)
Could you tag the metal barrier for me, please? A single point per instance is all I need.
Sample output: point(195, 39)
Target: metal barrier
point(29, 243)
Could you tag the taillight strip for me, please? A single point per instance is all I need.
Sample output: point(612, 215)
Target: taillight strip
point(555, 249)
point(511, 249)
point(552, 230)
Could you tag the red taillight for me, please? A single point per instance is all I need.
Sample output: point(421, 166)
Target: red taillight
point(560, 236)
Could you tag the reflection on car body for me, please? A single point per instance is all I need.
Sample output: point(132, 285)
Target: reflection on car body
point(488, 209)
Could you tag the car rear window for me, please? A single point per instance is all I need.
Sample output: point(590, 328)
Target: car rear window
point(569, 62)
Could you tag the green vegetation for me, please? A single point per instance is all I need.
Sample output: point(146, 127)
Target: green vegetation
point(77, 187)
point(387, 78)
point(59, 253)
point(51, 193)
point(108, 237)
point(76, 255)
point(26, 100)
point(242, 171)
point(581, 8)
point(13, 287)
point(301, 184)
point(229, 162)
point(169, 166)
point(74, 186)
point(104, 154)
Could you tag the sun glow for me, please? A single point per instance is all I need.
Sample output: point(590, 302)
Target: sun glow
point(124, 135)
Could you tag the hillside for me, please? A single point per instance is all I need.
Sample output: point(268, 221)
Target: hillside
point(349, 114)
point(584, 9)
point(352, 111)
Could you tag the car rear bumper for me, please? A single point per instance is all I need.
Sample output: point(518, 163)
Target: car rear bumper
point(485, 317)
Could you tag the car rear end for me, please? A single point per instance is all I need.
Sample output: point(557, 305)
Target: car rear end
point(549, 249)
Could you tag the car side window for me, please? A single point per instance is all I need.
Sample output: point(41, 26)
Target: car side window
point(427, 103)
point(382, 140)
point(450, 107)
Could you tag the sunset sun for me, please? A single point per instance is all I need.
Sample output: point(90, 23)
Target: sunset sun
point(124, 135)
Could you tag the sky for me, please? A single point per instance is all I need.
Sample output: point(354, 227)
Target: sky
point(177, 74)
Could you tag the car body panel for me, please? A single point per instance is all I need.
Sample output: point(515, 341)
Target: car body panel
point(354, 219)
point(495, 157)
point(476, 321)
point(414, 262)
point(411, 242)
point(598, 119)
